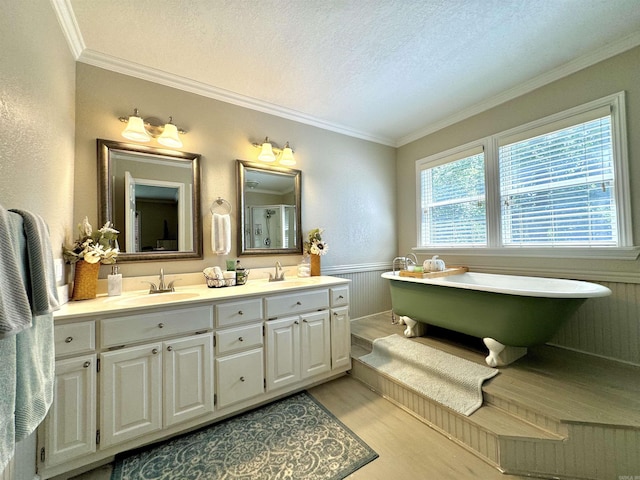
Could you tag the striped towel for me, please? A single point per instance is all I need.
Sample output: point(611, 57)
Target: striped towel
point(35, 346)
point(43, 293)
point(15, 313)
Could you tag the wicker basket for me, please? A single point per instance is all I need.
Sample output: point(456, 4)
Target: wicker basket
point(85, 281)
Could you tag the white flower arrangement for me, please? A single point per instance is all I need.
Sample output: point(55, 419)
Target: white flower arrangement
point(93, 247)
point(315, 245)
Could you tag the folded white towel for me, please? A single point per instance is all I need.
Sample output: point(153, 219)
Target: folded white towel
point(221, 234)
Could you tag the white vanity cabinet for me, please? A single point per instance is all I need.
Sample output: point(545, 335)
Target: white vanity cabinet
point(70, 426)
point(340, 328)
point(128, 376)
point(298, 346)
point(147, 387)
point(239, 341)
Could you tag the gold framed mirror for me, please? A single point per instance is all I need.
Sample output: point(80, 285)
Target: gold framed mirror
point(152, 196)
point(269, 207)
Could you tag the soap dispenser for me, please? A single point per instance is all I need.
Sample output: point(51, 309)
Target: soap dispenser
point(114, 282)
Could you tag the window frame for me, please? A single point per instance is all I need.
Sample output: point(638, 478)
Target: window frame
point(625, 250)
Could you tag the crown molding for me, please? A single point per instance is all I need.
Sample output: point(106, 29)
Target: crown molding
point(596, 56)
point(143, 72)
point(69, 25)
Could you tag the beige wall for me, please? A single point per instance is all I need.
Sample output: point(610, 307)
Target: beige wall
point(37, 110)
point(348, 185)
point(613, 75)
point(37, 114)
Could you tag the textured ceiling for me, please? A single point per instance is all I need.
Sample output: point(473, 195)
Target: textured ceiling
point(385, 70)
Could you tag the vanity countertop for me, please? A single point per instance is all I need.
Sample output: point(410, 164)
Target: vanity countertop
point(187, 295)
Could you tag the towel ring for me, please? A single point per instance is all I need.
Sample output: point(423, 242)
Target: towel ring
point(220, 203)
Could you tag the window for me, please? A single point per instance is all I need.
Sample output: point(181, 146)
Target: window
point(453, 201)
point(558, 182)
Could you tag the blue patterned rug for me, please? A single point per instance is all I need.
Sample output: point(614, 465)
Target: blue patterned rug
point(292, 439)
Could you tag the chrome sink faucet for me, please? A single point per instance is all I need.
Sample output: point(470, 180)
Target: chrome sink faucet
point(277, 277)
point(161, 287)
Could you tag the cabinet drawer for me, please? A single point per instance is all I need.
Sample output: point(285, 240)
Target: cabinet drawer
point(280, 305)
point(73, 338)
point(239, 377)
point(339, 296)
point(233, 313)
point(149, 326)
point(239, 338)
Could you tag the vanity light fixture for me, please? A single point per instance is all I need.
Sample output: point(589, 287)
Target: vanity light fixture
point(267, 149)
point(142, 130)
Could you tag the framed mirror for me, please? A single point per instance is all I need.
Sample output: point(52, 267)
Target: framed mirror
point(269, 203)
point(152, 196)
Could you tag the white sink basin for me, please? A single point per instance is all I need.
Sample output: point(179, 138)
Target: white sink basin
point(156, 298)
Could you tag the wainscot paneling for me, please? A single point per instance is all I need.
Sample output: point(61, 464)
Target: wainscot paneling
point(369, 292)
point(608, 326)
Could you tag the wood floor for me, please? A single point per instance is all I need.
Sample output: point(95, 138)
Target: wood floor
point(573, 387)
point(552, 414)
point(407, 448)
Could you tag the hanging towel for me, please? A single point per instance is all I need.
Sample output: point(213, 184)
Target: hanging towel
point(15, 313)
point(15, 316)
point(7, 399)
point(43, 293)
point(221, 234)
point(35, 365)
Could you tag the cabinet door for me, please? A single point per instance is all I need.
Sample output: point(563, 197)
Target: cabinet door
point(316, 343)
point(340, 338)
point(283, 352)
point(239, 377)
point(188, 378)
point(131, 393)
point(70, 425)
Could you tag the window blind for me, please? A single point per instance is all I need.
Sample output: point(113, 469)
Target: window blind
point(453, 200)
point(558, 189)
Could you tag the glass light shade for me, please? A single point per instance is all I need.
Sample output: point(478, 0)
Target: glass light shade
point(135, 130)
point(266, 154)
point(169, 137)
point(287, 156)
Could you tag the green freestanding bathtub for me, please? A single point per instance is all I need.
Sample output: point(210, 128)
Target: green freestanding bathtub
point(508, 312)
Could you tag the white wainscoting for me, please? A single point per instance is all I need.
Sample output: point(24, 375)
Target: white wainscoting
point(608, 327)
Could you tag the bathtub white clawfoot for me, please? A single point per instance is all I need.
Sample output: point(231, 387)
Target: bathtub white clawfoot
point(414, 329)
point(501, 355)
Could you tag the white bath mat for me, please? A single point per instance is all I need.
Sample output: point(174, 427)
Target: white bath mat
point(447, 379)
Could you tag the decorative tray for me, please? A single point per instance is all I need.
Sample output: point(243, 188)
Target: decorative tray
point(445, 273)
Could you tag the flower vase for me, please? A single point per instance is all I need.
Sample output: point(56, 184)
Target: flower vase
point(85, 281)
point(315, 265)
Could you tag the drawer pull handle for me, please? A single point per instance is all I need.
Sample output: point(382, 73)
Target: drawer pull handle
point(161, 325)
point(298, 303)
point(340, 297)
point(305, 320)
point(68, 340)
point(86, 364)
point(240, 312)
point(296, 322)
point(241, 339)
point(154, 351)
point(335, 314)
point(242, 379)
point(169, 348)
